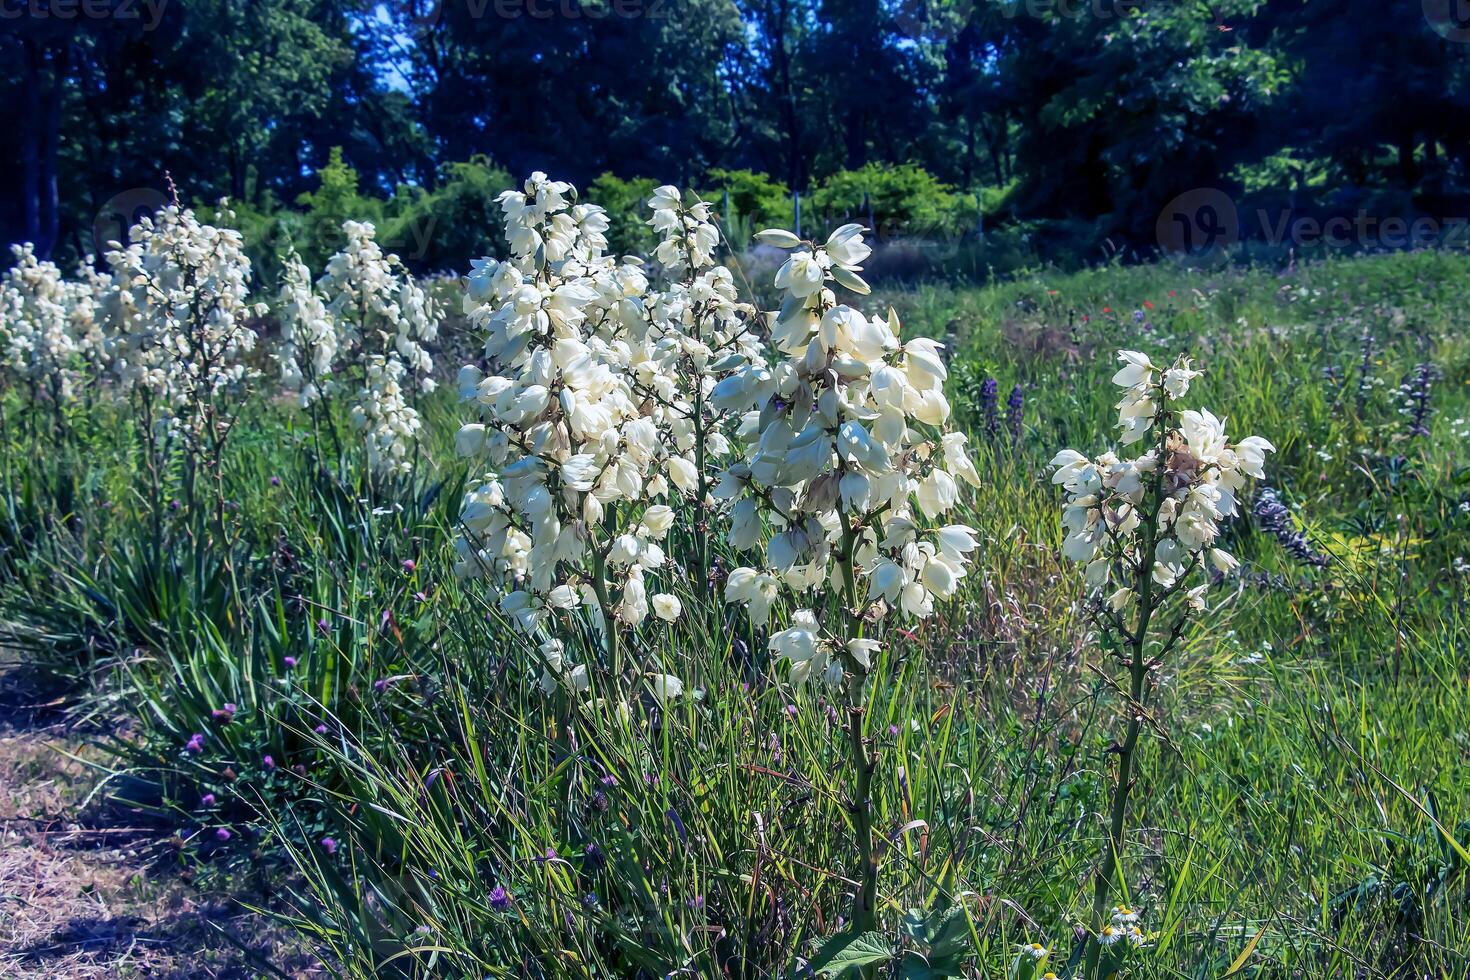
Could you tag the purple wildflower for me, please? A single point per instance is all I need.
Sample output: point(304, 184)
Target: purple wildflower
point(290, 662)
point(207, 800)
point(225, 715)
point(678, 824)
point(1365, 372)
point(223, 834)
point(196, 743)
point(1273, 517)
point(267, 763)
point(329, 845)
point(409, 565)
point(275, 481)
point(1015, 408)
point(989, 390)
point(1415, 392)
point(499, 898)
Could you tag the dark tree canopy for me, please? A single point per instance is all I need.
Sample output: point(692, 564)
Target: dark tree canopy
point(1081, 115)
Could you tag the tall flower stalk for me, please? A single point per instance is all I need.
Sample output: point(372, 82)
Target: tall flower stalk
point(697, 327)
point(181, 333)
point(1144, 528)
point(848, 465)
point(562, 521)
point(364, 324)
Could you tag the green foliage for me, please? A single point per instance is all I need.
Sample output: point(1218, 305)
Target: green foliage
point(456, 221)
point(335, 200)
point(626, 204)
point(1090, 118)
point(754, 197)
point(902, 201)
point(1305, 760)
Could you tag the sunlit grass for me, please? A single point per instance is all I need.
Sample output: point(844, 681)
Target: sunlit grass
point(1304, 774)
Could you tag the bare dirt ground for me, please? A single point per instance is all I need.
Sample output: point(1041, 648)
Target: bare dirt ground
point(82, 893)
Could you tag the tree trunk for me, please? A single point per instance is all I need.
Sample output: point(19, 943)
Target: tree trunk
point(30, 152)
point(51, 136)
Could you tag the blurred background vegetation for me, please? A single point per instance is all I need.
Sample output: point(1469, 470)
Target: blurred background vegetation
point(1014, 132)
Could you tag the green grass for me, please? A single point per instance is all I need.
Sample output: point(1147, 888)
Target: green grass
point(1304, 795)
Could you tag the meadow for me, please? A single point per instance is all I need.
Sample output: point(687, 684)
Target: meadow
point(312, 609)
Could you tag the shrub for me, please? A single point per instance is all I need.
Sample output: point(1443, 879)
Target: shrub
point(444, 229)
point(624, 201)
point(903, 201)
point(755, 199)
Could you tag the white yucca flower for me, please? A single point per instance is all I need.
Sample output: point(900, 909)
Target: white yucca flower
point(364, 324)
point(379, 308)
point(1161, 510)
point(389, 424)
point(1146, 529)
point(179, 320)
point(49, 336)
point(576, 420)
point(310, 336)
point(846, 464)
point(696, 329)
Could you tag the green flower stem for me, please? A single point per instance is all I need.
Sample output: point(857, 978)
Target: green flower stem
point(865, 905)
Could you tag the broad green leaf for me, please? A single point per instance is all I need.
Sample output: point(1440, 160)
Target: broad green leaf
point(848, 950)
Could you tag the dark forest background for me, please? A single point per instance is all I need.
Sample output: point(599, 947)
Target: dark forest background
point(1070, 125)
